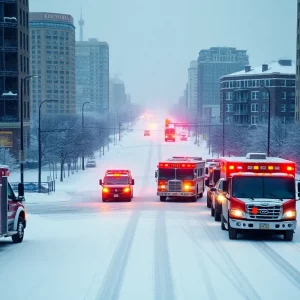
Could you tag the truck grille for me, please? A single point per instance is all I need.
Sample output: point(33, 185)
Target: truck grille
point(264, 212)
point(174, 186)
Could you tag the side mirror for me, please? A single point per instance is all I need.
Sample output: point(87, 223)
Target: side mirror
point(298, 186)
point(156, 174)
point(225, 186)
point(100, 182)
point(299, 195)
point(206, 182)
point(20, 190)
point(132, 181)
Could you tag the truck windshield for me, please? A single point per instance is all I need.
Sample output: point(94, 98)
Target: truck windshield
point(110, 180)
point(180, 174)
point(263, 187)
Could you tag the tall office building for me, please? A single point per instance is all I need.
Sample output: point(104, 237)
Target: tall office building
point(53, 59)
point(192, 87)
point(14, 69)
point(214, 63)
point(92, 76)
point(297, 106)
point(117, 95)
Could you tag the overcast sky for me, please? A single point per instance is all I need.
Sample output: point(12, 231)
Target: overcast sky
point(153, 41)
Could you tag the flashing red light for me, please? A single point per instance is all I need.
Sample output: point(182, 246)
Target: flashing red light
point(289, 168)
point(231, 167)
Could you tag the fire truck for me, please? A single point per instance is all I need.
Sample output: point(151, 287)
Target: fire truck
point(117, 185)
point(12, 210)
point(259, 194)
point(180, 177)
point(170, 134)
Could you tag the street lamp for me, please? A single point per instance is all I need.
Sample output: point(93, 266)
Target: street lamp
point(82, 124)
point(269, 119)
point(40, 146)
point(223, 117)
point(22, 127)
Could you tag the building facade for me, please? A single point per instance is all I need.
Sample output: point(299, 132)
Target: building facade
point(214, 63)
point(14, 74)
point(117, 96)
point(52, 49)
point(245, 95)
point(192, 87)
point(92, 75)
point(297, 107)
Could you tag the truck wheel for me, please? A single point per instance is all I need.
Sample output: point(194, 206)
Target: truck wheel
point(18, 237)
point(200, 195)
point(212, 211)
point(217, 216)
point(232, 232)
point(288, 235)
point(208, 203)
point(162, 198)
point(222, 223)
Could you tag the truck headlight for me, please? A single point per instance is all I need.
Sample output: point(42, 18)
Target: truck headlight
point(290, 214)
point(237, 213)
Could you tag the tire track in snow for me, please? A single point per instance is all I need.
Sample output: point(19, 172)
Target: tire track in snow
point(164, 288)
point(283, 266)
point(246, 287)
point(113, 279)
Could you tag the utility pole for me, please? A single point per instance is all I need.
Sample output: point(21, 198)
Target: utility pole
point(120, 131)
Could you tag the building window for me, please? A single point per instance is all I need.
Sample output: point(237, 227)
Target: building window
point(283, 95)
point(292, 107)
point(254, 120)
point(229, 108)
point(229, 95)
point(283, 108)
point(254, 107)
point(254, 95)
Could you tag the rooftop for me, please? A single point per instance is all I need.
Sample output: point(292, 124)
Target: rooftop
point(282, 66)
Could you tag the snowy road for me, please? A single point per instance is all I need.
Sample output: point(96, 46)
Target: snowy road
point(88, 250)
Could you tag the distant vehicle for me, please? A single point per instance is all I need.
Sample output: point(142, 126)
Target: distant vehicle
point(117, 185)
point(147, 133)
point(91, 163)
point(170, 134)
point(183, 137)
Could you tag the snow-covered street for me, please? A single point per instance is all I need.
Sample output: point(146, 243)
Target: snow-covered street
point(84, 249)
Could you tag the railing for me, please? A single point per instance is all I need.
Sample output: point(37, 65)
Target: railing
point(33, 187)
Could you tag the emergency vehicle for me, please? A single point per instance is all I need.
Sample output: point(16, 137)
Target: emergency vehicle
point(170, 134)
point(259, 194)
point(181, 177)
point(12, 210)
point(214, 174)
point(117, 185)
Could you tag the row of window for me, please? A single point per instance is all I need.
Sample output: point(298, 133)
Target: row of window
point(256, 95)
point(271, 82)
point(254, 120)
point(257, 108)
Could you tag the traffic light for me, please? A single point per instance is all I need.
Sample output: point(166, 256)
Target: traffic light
point(167, 123)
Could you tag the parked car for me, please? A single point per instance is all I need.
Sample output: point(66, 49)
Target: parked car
point(91, 163)
point(147, 133)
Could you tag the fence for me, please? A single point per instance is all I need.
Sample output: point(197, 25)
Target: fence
point(33, 187)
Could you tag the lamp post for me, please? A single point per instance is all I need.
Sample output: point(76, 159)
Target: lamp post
point(40, 145)
point(269, 119)
point(22, 127)
point(82, 124)
point(223, 117)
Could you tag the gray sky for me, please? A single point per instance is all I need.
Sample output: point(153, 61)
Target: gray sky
point(153, 41)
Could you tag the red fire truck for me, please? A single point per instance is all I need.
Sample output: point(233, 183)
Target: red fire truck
point(170, 134)
point(180, 177)
point(117, 185)
point(12, 210)
point(259, 194)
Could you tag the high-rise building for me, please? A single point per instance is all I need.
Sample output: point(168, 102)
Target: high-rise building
point(14, 74)
point(247, 95)
point(214, 63)
point(92, 75)
point(297, 107)
point(53, 59)
point(117, 95)
point(192, 87)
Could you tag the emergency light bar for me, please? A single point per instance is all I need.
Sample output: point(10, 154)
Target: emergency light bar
point(176, 165)
point(180, 158)
point(117, 172)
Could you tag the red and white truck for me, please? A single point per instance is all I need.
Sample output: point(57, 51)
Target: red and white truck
point(180, 177)
point(259, 194)
point(12, 210)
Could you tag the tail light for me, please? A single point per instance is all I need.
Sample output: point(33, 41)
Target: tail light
point(289, 210)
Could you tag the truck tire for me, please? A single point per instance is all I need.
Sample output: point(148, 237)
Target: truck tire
point(217, 216)
point(232, 233)
point(208, 202)
point(162, 198)
point(288, 235)
point(222, 222)
point(212, 211)
point(18, 237)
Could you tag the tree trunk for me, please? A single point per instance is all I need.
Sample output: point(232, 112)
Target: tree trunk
point(61, 171)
